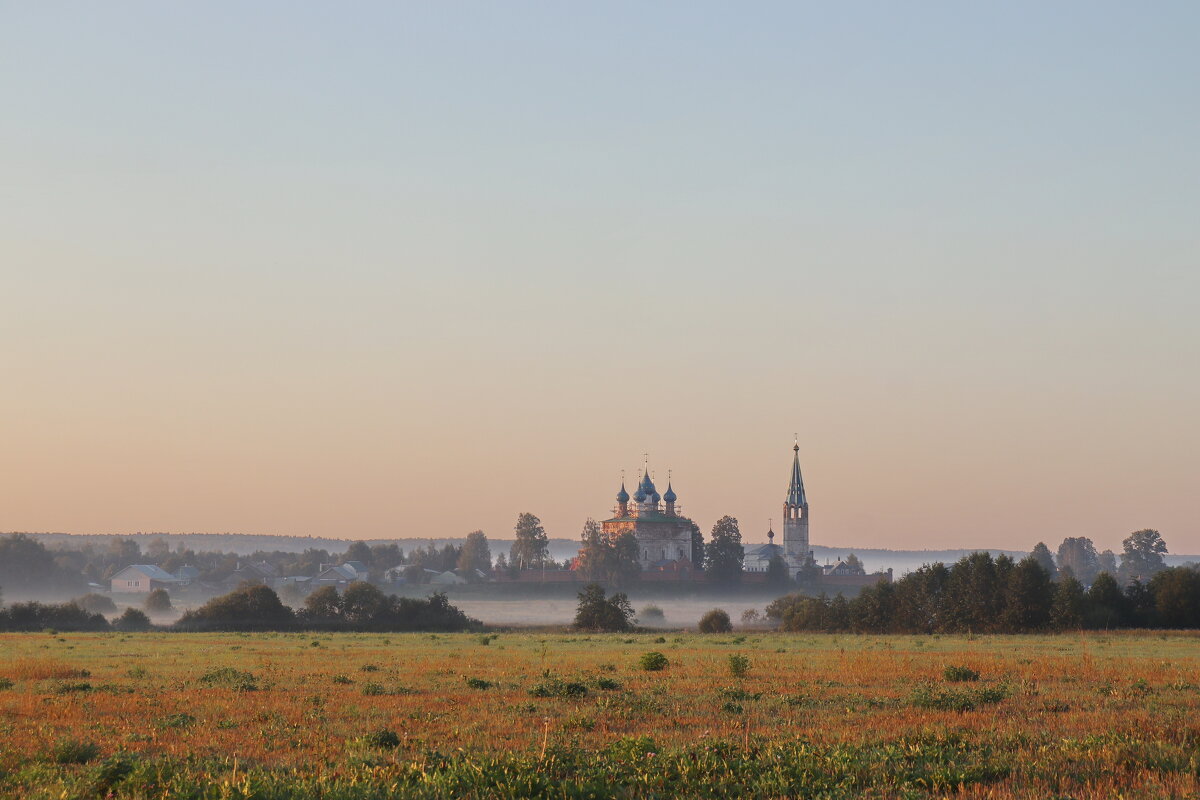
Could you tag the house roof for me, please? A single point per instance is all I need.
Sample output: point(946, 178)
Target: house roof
point(357, 566)
point(339, 571)
point(154, 573)
point(766, 551)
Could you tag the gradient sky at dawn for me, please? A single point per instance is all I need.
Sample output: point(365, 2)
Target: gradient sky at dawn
point(375, 270)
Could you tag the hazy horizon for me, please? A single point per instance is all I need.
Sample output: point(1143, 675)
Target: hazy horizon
point(380, 269)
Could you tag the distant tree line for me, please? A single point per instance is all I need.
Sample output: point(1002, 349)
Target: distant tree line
point(982, 594)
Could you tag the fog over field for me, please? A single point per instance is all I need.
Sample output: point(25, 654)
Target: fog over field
point(677, 613)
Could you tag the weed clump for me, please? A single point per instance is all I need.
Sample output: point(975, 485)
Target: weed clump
point(653, 661)
point(229, 678)
point(607, 684)
point(342, 680)
point(739, 665)
point(383, 738)
point(181, 720)
point(70, 687)
point(931, 697)
point(73, 751)
point(479, 683)
point(6, 683)
point(114, 770)
point(552, 686)
point(958, 674)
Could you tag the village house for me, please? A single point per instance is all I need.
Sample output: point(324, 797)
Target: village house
point(143, 579)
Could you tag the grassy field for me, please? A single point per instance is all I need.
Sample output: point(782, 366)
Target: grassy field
point(562, 715)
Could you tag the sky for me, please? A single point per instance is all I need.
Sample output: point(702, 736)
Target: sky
point(402, 270)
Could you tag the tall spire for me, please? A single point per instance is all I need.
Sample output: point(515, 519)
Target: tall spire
point(795, 495)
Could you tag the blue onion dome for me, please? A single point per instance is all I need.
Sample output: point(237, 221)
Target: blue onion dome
point(654, 498)
point(646, 485)
point(670, 495)
point(639, 495)
point(622, 496)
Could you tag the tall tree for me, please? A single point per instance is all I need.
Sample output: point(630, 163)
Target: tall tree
point(1176, 594)
point(1105, 606)
point(607, 557)
point(974, 591)
point(1066, 610)
point(1027, 597)
point(724, 552)
point(1043, 556)
point(360, 551)
point(531, 546)
point(855, 564)
point(476, 553)
point(697, 547)
point(1078, 555)
point(1107, 562)
point(598, 613)
point(593, 551)
point(777, 572)
point(124, 552)
point(1142, 556)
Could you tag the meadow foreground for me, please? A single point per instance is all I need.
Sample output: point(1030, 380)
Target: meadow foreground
point(572, 715)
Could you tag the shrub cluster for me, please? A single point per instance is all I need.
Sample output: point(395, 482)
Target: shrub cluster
point(35, 616)
point(361, 607)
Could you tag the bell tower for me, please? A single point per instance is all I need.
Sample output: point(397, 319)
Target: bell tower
point(795, 517)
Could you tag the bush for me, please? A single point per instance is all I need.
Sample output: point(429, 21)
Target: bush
point(250, 608)
point(96, 604)
point(598, 613)
point(373, 689)
point(134, 619)
point(72, 751)
point(653, 661)
point(652, 612)
point(479, 683)
point(956, 674)
point(716, 621)
point(739, 665)
point(608, 684)
point(363, 607)
point(158, 602)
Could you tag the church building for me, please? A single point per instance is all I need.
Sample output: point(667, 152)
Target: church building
point(664, 537)
point(795, 551)
point(795, 520)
